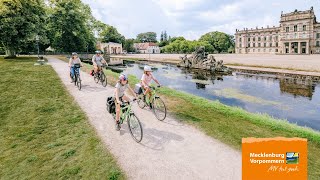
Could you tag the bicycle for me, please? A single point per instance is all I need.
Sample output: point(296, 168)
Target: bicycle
point(155, 103)
point(76, 78)
point(100, 76)
point(133, 122)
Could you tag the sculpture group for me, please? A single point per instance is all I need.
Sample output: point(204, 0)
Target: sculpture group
point(200, 60)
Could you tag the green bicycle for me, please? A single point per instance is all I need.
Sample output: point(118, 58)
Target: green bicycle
point(134, 124)
point(155, 103)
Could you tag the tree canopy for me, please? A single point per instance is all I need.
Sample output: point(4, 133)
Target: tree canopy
point(147, 37)
point(220, 41)
point(111, 34)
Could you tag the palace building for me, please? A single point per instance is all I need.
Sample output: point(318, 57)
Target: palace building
point(299, 33)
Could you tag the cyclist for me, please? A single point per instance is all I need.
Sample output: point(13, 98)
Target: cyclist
point(72, 61)
point(146, 79)
point(121, 86)
point(98, 61)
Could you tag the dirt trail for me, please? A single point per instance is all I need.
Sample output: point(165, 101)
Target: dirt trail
point(169, 149)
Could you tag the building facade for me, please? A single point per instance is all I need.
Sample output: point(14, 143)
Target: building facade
point(299, 33)
point(110, 48)
point(147, 48)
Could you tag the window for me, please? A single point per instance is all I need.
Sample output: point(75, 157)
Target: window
point(318, 35)
point(265, 38)
point(240, 45)
point(287, 29)
point(254, 44)
point(259, 38)
point(276, 50)
point(318, 43)
point(248, 39)
point(240, 39)
point(254, 39)
point(276, 44)
point(270, 45)
point(304, 28)
point(270, 38)
point(276, 38)
point(248, 44)
point(259, 45)
point(295, 28)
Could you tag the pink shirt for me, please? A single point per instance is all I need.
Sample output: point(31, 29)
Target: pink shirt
point(147, 79)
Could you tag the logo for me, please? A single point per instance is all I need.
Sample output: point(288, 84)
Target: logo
point(292, 158)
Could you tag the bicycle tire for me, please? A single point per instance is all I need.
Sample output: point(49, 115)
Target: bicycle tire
point(155, 108)
point(133, 124)
point(103, 79)
point(78, 82)
point(96, 77)
point(140, 101)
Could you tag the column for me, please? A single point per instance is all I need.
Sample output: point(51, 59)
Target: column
point(307, 47)
point(299, 47)
point(283, 48)
point(289, 47)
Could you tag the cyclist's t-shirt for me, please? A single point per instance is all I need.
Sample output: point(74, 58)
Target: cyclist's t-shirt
point(97, 59)
point(74, 61)
point(121, 89)
point(147, 79)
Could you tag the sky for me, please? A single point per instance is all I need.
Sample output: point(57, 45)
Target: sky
point(193, 18)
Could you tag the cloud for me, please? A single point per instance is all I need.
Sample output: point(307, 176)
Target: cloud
point(192, 18)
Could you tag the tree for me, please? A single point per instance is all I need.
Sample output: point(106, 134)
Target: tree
point(161, 37)
point(128, 45)
point(176, 38)
point(111, 34)
point(165, 36)
point(147, 37)
point(220, 41)
point(186, 46)
point(70, 26)
point(20, 22)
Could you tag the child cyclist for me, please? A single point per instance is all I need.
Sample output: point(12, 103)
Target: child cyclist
point(120, 88)
point(146, 79)
point(72, 61)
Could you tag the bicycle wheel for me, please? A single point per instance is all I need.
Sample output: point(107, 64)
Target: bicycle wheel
point(103, 79)
point(140, 101)
point(159, 109)
point(78, 82)
point(135, 127)
point(96, 77)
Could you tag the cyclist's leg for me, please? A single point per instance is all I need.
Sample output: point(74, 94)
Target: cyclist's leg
point(77, 70)
point(117, 110)
point(95, 68)
point(72, 72)
point(125, 98)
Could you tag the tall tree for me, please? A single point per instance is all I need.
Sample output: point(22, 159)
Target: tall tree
point(111, 34)
point(165, 36)
point(219, 40)
point(161, 36)
point(147, 37)
point(128, 45)
point(70, 25)
point(20, 22)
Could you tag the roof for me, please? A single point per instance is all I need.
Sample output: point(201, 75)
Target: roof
point(144, 46)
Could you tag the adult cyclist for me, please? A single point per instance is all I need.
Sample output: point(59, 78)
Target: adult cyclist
point(98, 61)
point(72, 61)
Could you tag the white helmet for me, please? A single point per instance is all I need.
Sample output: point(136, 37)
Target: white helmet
point(147, 68)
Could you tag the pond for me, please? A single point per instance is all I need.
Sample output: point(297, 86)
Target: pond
point(282, 97)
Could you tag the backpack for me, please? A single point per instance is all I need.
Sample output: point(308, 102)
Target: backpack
point(111, 107)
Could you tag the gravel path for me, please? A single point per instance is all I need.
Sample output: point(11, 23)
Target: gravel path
point(168, 150)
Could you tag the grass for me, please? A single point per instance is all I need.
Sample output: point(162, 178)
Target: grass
point(271, 67)
point(231, 124)
point(44, 133)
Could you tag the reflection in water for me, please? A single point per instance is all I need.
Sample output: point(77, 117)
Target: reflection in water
point(296, 99)
point(297, 87)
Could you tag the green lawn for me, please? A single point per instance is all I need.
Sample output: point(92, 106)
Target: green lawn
point(44, 133)
point(231, 124)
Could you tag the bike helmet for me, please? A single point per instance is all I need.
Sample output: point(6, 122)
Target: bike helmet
point(74, 54)
point(147, 68)
point(98, 52)
point(123, 77)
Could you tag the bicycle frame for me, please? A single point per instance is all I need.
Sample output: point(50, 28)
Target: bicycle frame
point(152, 96)
point(127, 109)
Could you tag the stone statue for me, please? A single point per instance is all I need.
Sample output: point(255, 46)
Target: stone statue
point(201, 60)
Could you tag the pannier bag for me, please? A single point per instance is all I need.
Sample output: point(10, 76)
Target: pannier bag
point(111, 107)
point(138, 89)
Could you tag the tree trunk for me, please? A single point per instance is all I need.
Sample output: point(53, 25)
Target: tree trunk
point(10, 53)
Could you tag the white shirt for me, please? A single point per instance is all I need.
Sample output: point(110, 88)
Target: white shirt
point(147, 79)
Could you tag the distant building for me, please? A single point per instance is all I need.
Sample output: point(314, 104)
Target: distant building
point(147, 48)
point(299, 33)
point(110, 48)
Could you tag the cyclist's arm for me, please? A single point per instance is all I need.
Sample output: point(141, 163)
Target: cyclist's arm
point(94, 61)
point(132, 91)
point(70, 60)
point(80, 62)
point(117, 95)
point(155, 80)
